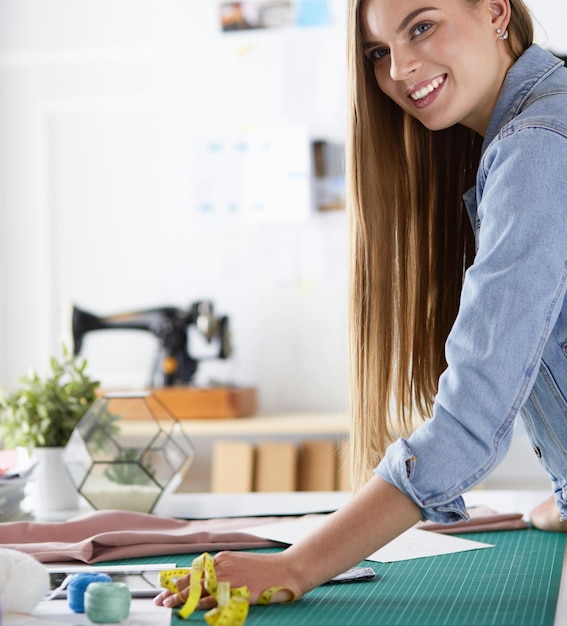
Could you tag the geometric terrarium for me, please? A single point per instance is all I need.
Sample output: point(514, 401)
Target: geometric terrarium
point(115, 465)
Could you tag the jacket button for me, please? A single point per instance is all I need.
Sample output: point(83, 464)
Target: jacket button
point(537, 452)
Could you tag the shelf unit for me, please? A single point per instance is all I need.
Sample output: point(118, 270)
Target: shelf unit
point(286, 427)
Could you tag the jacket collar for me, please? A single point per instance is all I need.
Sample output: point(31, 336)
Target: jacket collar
point(528, 70)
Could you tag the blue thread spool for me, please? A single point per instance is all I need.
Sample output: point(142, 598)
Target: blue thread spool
point(107, 603)
point(77, 587)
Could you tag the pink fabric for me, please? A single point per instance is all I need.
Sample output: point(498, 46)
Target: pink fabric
point(109, 535)
point(482, 519)
point(112, 535)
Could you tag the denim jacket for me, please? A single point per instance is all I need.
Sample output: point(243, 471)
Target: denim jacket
point(507, 351)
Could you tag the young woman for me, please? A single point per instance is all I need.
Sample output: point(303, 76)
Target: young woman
point(464, 325)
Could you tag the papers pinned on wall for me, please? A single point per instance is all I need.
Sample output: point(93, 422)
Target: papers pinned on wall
point(259, 14)
point(261, 176)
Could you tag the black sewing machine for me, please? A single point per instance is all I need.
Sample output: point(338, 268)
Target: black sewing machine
point(174, 364)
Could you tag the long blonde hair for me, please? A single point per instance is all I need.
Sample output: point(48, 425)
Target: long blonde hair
point(411, 242)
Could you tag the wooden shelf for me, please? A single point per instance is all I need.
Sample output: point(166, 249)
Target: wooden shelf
point(278, 424)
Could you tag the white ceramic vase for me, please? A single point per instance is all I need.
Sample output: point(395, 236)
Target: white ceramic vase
point(52, 489)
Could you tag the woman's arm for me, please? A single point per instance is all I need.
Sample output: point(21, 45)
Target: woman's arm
point(374, 516)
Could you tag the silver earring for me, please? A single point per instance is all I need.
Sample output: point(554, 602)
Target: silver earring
point(504, 35)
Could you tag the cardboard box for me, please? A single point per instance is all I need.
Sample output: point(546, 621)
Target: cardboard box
point(232, 468)
point(344, 482)
point(317, 465)
point(276, 466)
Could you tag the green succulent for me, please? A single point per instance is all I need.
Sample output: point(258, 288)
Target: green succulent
point(127, 469)
point(43, 412)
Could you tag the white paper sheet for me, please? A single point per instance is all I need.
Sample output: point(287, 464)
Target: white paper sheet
point(143, 612)
point(413, 544)
point(256, 503)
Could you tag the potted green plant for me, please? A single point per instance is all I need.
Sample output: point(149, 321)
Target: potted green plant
point(40, 415)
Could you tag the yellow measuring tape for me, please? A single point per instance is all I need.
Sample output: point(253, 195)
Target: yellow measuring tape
point(232, 604)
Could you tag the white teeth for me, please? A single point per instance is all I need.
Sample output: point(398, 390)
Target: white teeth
point(424, 91)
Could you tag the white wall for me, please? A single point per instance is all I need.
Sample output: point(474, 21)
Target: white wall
point(101, 103)
point(550, 17)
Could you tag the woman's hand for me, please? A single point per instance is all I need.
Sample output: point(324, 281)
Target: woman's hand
point(258, 572)
point(378, 513)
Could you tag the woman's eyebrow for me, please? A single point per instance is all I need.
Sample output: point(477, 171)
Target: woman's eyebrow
point(405, 22)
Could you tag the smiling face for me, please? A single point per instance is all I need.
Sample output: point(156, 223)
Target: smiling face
point(442, 61)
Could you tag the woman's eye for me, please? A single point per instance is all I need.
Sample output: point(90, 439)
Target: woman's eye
point(420, 29)
point(377, 54)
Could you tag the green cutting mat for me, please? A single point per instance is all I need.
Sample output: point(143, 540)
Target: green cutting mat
point(516, 583)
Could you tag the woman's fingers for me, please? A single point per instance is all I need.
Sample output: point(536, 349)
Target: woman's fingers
point(175, 599)
point(257, 572)
point(161, 598)
point(206, 603)
point(172, 599)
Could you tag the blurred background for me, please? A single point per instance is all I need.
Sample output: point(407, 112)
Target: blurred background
point(158, 152)
point(149, 158)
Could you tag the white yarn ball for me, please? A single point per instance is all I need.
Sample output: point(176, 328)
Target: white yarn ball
point(23, 581)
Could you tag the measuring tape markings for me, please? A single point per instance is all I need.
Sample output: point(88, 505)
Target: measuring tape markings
point(232, 604)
